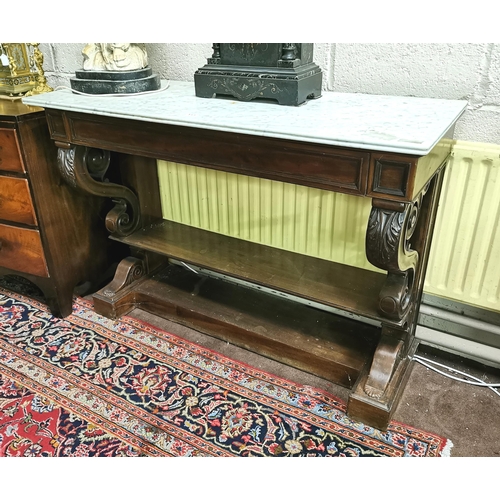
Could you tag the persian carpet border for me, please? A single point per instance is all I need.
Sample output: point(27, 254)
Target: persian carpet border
point(157, 431)
point(72, 406)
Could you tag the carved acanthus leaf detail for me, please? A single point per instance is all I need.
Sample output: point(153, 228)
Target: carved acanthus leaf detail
point(84, 168)
point(388, 247)
point(66, 165)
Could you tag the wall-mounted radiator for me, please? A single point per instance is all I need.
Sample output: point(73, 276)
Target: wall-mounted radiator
point(465, 256)
point(464, 263)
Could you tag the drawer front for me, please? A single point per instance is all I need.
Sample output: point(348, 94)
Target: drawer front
point(392, 176)
point(15, 201)
point(21, 250)
point(10, 155)
point(318, 166)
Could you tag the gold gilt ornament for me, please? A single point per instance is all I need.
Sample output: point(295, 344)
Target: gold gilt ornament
point(21, 70)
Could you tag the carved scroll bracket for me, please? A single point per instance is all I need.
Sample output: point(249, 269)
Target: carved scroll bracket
point(84, 169)
point(390, 228)
point(129, 270)
point(385, 360)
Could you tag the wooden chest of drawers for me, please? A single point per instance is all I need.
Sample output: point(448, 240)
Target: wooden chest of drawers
point(49, 233)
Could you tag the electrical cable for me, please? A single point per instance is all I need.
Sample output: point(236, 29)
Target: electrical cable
point(428, 363)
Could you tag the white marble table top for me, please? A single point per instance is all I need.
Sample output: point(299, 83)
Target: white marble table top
point(407, 125)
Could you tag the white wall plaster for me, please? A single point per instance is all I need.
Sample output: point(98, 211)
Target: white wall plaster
point(491, 77)
point(324, 57)
point(481, 125)
point(441, 70)
point(447, 71)
point(178, 61)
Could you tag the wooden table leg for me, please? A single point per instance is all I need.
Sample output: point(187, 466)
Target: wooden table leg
point(398, 240)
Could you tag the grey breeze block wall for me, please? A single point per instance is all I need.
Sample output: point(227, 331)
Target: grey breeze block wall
point(439, 70)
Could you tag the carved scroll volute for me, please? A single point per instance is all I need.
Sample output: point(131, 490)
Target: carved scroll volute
point(66, 162)
point(390, 228)
point(84, 168)
point(385, 361)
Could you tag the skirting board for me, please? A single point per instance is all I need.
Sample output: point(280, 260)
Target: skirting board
point(460, 328)
point(484, 354)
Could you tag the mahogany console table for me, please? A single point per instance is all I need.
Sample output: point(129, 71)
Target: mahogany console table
point(391, 149)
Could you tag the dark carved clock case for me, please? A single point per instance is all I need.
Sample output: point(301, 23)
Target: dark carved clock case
point(282, 72)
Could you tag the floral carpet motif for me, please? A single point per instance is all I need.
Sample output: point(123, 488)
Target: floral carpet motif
point(89, 386)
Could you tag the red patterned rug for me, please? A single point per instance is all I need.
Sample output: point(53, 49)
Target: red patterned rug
point(88, 386)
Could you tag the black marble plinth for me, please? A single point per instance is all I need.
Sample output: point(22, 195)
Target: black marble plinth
point(115, 82)
point(283, 73)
